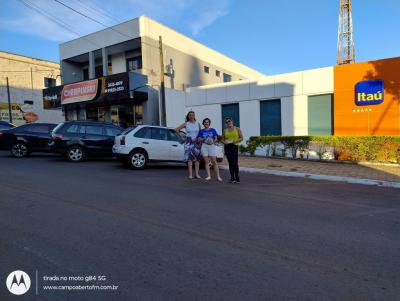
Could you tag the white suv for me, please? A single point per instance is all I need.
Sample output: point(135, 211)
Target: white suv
point(138, 145)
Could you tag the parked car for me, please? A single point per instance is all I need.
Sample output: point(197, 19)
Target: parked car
point(139, 145)
point(4, 125)
point(27, 138)
point(78, 140)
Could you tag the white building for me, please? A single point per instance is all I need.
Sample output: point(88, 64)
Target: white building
point(298, 103)
point(27, 77)
point(134, 46)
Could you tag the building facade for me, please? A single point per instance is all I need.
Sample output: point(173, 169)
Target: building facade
point(151, 49)
point(355, 99)
point(26, 78)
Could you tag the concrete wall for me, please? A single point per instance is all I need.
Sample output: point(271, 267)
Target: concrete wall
point(292, 89)
point(26, 86)
point(171, 38)
point(151, 108)
point(183, 70)
point(71, 72)
point(116, 34)
point(175, 107)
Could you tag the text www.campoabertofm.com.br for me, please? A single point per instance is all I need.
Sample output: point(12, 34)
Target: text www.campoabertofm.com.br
point(79, 287)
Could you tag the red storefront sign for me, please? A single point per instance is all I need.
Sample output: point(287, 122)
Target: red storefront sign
point(78, 92)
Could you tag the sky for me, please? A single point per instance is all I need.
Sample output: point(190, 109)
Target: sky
point(270, 36)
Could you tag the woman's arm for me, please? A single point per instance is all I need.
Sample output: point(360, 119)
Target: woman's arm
point(200, 137)
point(180, 127)
point(240, 135)
point(223, 137)
point(215, 138)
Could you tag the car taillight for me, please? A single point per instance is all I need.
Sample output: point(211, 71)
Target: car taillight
point(122, 140)
point(57, 136)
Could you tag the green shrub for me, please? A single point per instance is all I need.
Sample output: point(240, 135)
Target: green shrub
point(354, 148)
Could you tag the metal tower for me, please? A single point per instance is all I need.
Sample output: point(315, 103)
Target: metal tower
point(345, 46)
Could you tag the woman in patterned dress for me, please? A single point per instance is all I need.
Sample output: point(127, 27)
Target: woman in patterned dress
point(191, 146)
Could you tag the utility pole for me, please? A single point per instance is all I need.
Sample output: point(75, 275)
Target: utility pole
point(345, 46)
point(162, 86)
point(9, 102)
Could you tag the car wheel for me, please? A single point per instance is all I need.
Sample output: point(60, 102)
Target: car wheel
point(19, 150)
point(75, 154)
point(138, 159)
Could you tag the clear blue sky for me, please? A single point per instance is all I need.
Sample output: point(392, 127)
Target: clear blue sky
point(270, 36)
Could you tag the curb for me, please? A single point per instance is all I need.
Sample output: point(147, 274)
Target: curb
point(330, 161)
point(319, 177)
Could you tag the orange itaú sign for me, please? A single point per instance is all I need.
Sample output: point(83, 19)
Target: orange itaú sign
point(78, 92)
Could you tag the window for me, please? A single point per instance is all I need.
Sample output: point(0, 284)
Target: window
point(206, 69)
point(98, 71)
point(174, 136)
point(85, 73)
point(49, 82)
point(159, 134)
point(230, 110)
point(110, 131)
point(270, 117)
point(217, 73)
point(72, 129)
point(134, 63)
point(38, 128)
point(320, 115)
point(144, 133)
point(91, 130)
point(227, 78)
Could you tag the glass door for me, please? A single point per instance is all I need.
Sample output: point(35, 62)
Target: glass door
point(138, 114)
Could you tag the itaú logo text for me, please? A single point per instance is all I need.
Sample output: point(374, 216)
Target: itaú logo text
point(369, 92)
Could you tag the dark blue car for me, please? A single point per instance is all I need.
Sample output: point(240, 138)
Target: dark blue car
point(27, 138)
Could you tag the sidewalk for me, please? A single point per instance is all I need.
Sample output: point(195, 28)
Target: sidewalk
point(362, 173)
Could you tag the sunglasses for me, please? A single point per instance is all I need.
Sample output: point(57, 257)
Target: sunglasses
point(227, 121)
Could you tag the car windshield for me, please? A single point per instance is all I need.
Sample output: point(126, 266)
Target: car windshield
point(128, 130)
point(57, 127)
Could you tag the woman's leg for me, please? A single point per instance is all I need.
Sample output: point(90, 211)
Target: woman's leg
point(196, 168)
point(216, 168)
point(190, 164)
point(236, 163)
point(207, 166)
point(229, 156)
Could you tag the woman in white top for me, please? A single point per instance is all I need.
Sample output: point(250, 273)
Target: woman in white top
point(191, 146)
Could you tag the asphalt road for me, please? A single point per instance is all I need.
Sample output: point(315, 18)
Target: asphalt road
point(160, 236)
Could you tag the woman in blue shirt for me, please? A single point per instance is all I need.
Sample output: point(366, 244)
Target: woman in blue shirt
point(208, 136)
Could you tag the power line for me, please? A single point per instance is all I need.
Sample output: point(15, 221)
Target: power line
point(99, 11)
point(46, 15)
point(82, 14)
point(92, 19)
point(54, 20)
point(67, 26)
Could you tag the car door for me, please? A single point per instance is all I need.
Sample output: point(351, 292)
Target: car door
point(93, 138)
point(165, 147)
point(38, 136)
point(175, 145)
point(143, 140)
